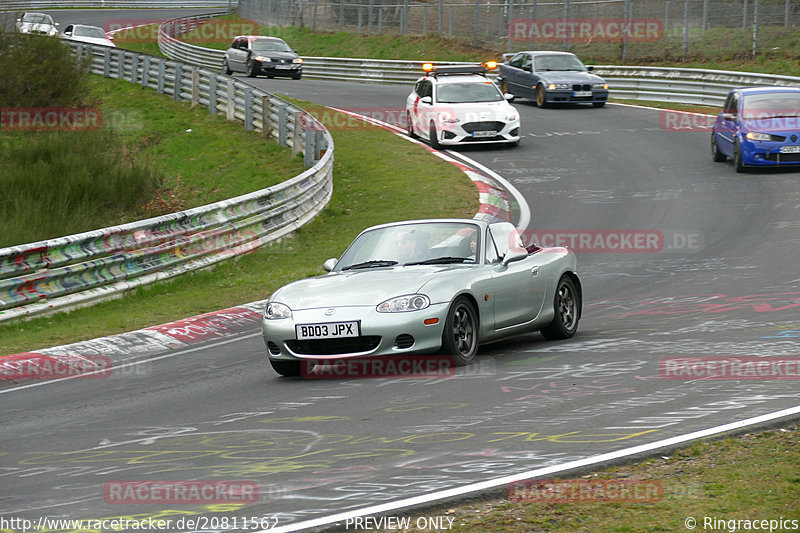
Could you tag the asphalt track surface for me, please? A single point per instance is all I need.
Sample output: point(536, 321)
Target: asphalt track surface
point(725, 282)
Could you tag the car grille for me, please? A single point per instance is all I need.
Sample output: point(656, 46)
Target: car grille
point(344, 346)
point(782, 158)
point(469, 127)
point(579, 87)
point(484, 139)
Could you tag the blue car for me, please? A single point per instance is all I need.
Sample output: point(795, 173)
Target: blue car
point(758, 127)
point(551, 77)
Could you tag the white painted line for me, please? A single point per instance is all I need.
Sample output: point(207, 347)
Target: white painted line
point(550, 470)
point(661, 109)
point(134, 363)
point(524, 208)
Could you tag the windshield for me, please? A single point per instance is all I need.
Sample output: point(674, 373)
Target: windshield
point(270, 46)
point(771, 105)
point(413, 244)
point(559, 63)
point(462, 93)
point(37, 18)
point(88, 31)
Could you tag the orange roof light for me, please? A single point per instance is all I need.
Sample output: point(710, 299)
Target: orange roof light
point(491, 65)
point(427, 67)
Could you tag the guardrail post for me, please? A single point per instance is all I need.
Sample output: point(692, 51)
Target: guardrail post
point(134, 68)
point(266, 123)
point(176, 86)
point(308, 154)
point(231, 101)
point(248, 109)
point(195, 86)
point(282, 124)
point(146, 71)
point(120, 64)
point(162, 67)
point(297, 117)
point(107, 63)
point(212, 94)
point(318, 137)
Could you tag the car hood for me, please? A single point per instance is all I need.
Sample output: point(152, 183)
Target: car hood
point(779, 125)
point(570, 77)
point(277, 55)
point(472, 112)
point(357, 288)
point(36, 28)
point(93, 40)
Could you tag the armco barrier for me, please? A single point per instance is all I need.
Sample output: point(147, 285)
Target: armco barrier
point(657, 84)
point(40, 5)
point(76, 270)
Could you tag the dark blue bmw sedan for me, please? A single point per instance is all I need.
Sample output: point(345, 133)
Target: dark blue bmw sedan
point(552, 77)
point(758, 127)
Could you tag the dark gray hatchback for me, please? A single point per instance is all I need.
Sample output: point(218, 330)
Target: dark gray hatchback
point(269, 56)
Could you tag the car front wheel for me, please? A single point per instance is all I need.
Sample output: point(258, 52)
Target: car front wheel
point(433, 137)
point(737, 157)
point(460, 337)
point(716, 155)
point(541, 96)
point(567, 306)
point(409, 126)
point(225, 68)
point(252, 72)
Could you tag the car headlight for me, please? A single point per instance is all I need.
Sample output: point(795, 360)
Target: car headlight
point(275, 311)
point(402, 304)
point(297, 60)
point(263, 58)
point(448, 119)
point(600, 86)
point(554, 86)
point(511, 117)
point(756, 136)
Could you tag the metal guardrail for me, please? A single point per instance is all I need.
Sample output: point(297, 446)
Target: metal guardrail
point(73, 271)
point(40, 5)
point(657, 84)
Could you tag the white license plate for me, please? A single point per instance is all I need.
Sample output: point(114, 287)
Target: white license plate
point(482, 134)
point(327, 330)
point(581, 94)
point(790, 149)
point(283, 67)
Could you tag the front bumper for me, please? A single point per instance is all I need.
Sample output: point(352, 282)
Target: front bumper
point(380, 333)
point(280, 69)
point(767, 154)
point(479, 132)
point(568, 96)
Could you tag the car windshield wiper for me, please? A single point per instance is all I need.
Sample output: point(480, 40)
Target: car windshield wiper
point(440, 261)
point(371, 264)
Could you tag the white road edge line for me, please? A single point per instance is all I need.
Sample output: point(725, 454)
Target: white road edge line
point(497, 482)
point(524, 208)
point(134, 363)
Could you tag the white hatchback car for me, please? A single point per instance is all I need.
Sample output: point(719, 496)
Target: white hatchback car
point(87, 34)
point(460, 105)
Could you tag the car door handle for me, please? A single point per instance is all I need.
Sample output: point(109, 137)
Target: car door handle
point(535, 271)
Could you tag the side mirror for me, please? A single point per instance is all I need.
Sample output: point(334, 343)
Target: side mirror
point(590, 68)
point(728, 116)
point(514, 254)
point(509, 97)
point(328, 265)
point(426, 100)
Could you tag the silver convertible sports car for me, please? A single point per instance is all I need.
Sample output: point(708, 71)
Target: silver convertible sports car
point(423, 287)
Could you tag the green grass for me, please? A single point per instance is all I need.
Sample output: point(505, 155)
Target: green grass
point(143, 162)
point(369, 188)
point(753, 476)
